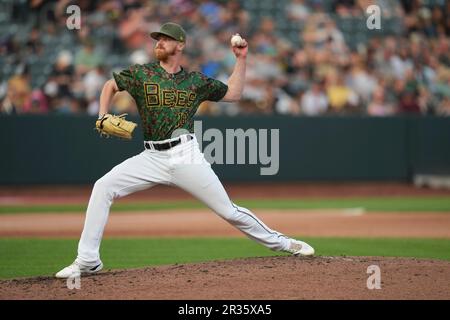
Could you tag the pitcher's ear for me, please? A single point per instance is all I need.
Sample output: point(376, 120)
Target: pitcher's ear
point(181, 46)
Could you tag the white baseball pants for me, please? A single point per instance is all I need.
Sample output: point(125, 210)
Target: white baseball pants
point(184, 166)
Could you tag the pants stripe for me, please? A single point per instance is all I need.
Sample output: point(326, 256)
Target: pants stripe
point(279, 235)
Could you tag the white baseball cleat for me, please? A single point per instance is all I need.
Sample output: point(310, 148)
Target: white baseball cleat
point(76, 270)
point(300, 248)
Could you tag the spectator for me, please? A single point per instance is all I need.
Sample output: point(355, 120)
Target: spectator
point(87, 58)
point(34, 44)
point(37, 103)
point(239, 19)
point(17, 95)
point(442, 85)
point(133, 29)
point(379, 106)
point(340, 96)
point(93, 82)
point(444, 108)
point(361, 81)
point(285, 104)
point(297, 10)
point(212, 12)
point(62, 74)
point(344, 8)
point(408, 103)
point(321, 30)
point(400, 63)
point(314, 102)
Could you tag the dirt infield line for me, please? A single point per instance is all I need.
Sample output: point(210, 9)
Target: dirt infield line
point(274, 190)
point(204, 223)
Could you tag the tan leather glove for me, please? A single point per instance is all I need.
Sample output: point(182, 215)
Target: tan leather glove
point(112, 125)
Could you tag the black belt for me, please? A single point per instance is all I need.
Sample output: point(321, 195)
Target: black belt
point(165, 146)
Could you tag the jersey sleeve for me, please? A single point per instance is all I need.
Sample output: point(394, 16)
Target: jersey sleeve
point(213, 90)
point(125, 80)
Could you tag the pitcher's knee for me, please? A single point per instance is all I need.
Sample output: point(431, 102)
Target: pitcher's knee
point(240, 209)
point(104, 186)
point(234, 214)
point(232, 217)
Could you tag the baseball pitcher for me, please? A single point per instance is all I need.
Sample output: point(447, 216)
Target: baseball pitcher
point(167, 97)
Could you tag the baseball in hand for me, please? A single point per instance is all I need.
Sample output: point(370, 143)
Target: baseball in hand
point(237, 41)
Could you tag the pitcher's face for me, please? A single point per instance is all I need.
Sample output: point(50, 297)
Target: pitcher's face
point(165, 47)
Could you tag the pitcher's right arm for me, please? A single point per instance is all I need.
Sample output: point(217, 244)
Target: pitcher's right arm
point(109, 90)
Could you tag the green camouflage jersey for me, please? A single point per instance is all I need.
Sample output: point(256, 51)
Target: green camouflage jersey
point(167, 102)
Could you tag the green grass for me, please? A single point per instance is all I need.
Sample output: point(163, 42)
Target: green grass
point(33, 257)
point(402, 204)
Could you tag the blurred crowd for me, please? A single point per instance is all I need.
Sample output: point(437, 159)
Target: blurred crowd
point(307, 57)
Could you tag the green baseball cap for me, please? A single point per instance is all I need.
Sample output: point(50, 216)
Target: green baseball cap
point(172, 30)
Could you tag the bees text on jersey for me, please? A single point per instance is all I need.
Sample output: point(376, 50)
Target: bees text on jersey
point(167, 102)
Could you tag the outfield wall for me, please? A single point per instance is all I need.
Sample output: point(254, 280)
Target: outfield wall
point(67, 150)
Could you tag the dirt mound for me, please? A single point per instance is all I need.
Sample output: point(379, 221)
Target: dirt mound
point(273, 278)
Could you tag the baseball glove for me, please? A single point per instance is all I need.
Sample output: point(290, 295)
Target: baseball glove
point(112, 125)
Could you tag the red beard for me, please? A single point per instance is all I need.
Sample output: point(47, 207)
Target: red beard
point(162, 54)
